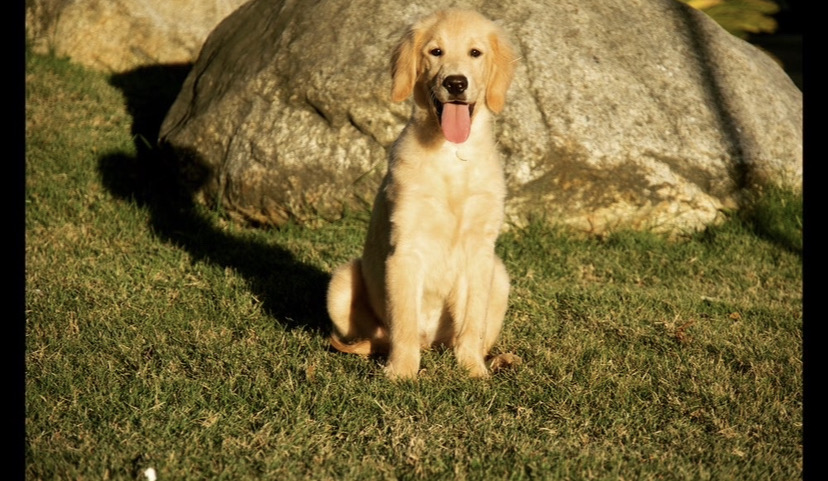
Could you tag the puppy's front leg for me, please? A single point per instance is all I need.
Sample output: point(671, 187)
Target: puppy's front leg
point(404, 286)
point(470, 312)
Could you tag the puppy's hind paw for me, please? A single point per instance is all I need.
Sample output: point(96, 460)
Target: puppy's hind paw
point(505, 361)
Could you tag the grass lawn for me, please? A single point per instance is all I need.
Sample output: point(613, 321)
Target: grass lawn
point(158, 334)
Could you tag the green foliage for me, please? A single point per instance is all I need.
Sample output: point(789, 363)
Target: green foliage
point(740, 17)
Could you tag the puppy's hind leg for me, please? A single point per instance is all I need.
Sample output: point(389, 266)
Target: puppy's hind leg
point(356, 329)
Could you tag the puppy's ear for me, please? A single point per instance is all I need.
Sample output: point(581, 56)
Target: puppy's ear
point(404, 65)
point(501, 70)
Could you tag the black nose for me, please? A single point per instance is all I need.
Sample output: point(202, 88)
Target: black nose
point(455, 84)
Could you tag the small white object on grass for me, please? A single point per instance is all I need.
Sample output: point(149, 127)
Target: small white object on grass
point(149, 473)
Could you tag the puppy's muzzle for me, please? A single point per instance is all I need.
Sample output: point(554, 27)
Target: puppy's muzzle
point(455, 114)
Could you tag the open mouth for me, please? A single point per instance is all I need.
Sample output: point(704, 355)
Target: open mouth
point(455, 119)
point(439, 107)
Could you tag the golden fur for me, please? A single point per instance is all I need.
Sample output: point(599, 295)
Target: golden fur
point(428, 274)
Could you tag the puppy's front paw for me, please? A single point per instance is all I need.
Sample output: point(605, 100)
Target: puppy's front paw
point(402, 371)
point(474, 366)
point(472, 361)
point(477, 370)
point(403, 362)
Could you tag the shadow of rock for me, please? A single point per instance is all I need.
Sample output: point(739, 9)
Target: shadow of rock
point(292, 292)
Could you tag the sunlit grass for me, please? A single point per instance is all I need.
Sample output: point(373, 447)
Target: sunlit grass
point(160, 334)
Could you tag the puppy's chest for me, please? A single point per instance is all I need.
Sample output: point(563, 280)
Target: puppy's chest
point(443, 199)
point(453, 186)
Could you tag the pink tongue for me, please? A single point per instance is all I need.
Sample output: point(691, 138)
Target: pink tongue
point(456, 122)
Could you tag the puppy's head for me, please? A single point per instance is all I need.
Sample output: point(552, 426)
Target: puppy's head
point(454, 62)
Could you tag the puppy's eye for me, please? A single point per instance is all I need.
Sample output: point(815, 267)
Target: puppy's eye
point(475, 53)
point(436, 52)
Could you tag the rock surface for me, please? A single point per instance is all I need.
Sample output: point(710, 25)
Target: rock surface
point(643, 114)
point(120, 35)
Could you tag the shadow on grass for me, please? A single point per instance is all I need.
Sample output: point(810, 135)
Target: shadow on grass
point(776, 214)
point(291, 291)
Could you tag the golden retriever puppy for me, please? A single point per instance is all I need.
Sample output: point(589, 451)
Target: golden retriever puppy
point(428, 274)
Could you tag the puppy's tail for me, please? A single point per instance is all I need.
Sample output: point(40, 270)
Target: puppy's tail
point(362, 347)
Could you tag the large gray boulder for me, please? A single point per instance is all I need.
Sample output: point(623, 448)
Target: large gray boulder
point(120, 35)
point(639, 114)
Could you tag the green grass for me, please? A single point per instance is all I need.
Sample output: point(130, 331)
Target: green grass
point(160, 335)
